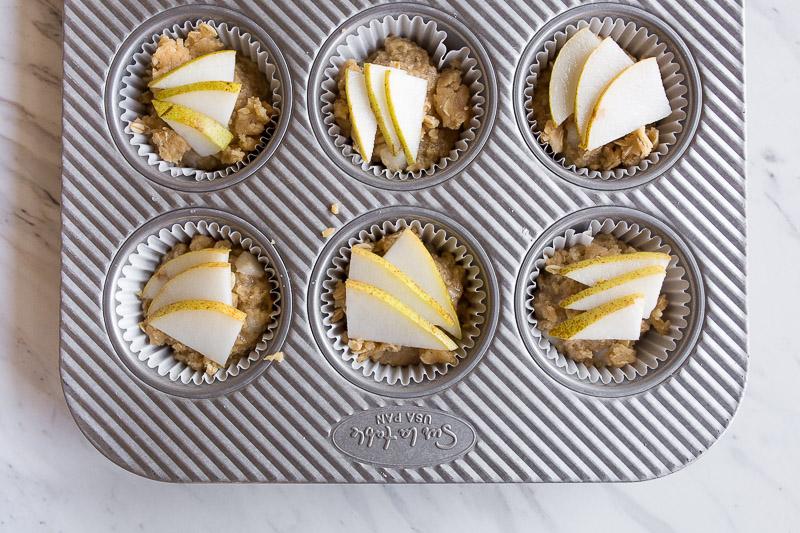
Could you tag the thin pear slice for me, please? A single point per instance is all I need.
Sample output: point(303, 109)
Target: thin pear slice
point(183, 262)
point(205, 135)
point(373, 269)
point(209, 281)
point(634, 98)
point(215, 99)
point(375, 315)
point(364, 125)
point(375, 78)
point(410, 256)
point(602, 66)
point(619, 319)
point(646, 281)
point(216, 66)
point(406, 98)
point(210, 328)
point(592, 271)
point(566, 71)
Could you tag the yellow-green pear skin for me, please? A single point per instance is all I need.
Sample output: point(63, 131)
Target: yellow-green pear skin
point(591, 271)
point(647, 281)
point(618, 319)
point(205, 135)
point(375, 315)
point(214, 66)
point(368, 267)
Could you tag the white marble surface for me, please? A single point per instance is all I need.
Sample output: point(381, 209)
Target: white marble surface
point(51, 479)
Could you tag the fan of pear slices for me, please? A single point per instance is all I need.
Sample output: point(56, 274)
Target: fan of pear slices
point(400, 297)
point(608, 93)
point(622, 291)
point(192, 300)
point(196, 100)
point(391, 100)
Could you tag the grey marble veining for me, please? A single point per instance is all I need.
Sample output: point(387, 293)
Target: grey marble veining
point(51, 479)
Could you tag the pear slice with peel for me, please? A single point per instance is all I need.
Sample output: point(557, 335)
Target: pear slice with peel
point(634, 98)
point(375, 315)
point(216, 66)
point(646, 281)
point(406, 98)
point(566, 71)
point(410, 256)
point(178, 264)
point(208, 281)
point(210, 328)
point(205, 135)
point(363, 123)
point(215, 99)
point(591, 271)
point(602, 66)
point(619, 319)
point(375, 78)
point(374, 270)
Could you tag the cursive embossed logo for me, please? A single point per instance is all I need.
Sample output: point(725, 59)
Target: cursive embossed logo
point(403, 436)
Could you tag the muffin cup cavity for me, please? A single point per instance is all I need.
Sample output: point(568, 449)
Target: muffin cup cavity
point(126, 83)
point(367, 39)
point(135, 264)
point(656, 354)
point(642, 35)
point(448, 42)
point(134, 84)
point(477, 321)
point(141, 266)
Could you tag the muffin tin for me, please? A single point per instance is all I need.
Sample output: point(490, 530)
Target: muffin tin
point(504, 413)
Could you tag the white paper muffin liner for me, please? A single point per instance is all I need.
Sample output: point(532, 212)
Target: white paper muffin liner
point(141, 265)
point(653, 348)
point(639, 43)
point(367, 39)
point(474, 294)
point(134, 83)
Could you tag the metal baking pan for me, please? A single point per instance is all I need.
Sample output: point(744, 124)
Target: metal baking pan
point(504, 415)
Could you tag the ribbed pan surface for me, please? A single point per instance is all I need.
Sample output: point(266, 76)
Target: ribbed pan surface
point(529, 428)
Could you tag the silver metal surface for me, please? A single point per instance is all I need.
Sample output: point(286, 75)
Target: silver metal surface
point(527, 426)
point(686, 260)
point(479, 258)
point(111, 318)
point(655, 23)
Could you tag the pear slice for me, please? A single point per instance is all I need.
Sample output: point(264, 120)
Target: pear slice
point(215, 99)
point(183, 262)
point(364, 125)
point(209, 281)
point(410, 256)
point(374, 270)
point(375, 315)
point(634, 98)
point(619, 319)
point(406, 98)
point(205, 135)
point(210, 328)
point(602, 66)
point(646, 281)
point(566, 70)
point(216, 66)
point(591, 271)
point(375, 78)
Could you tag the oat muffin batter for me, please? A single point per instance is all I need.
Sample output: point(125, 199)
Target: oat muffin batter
point(627, 151)
point(447, 108)
point(251, 295)
point(453, 276)
point(552, 288)
point(251, 113)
